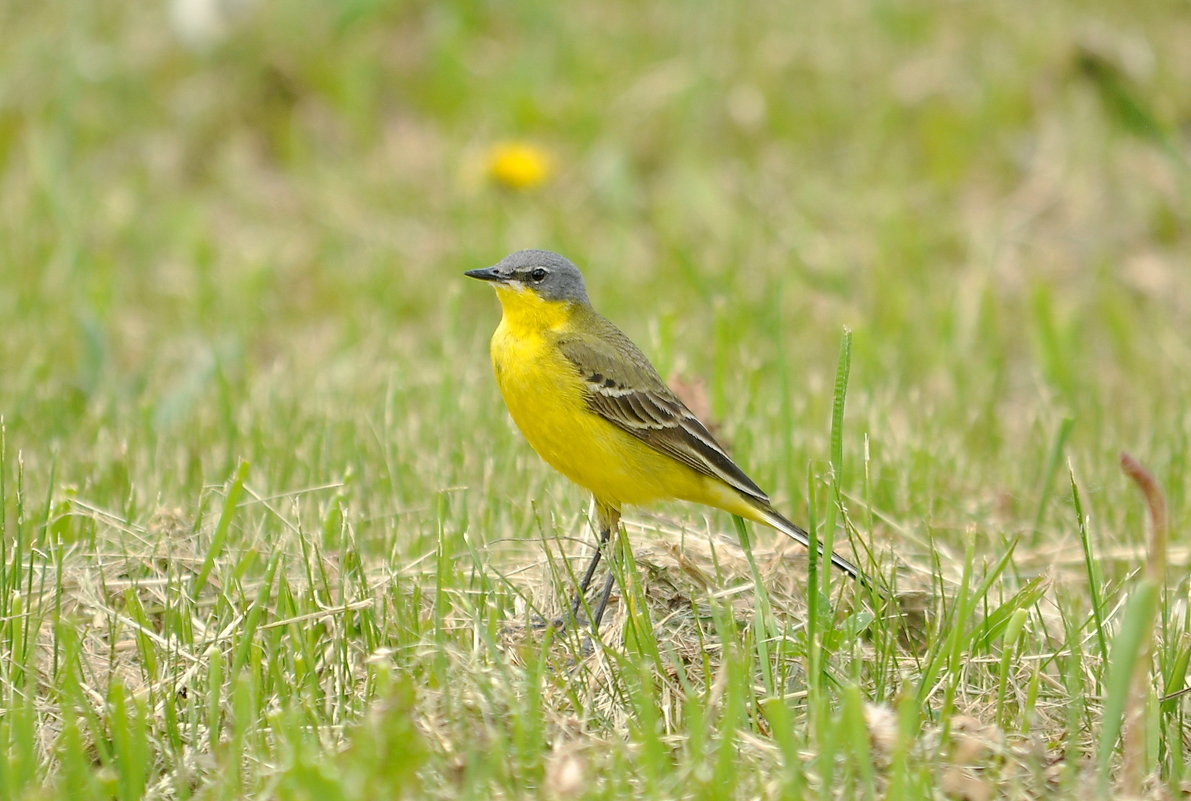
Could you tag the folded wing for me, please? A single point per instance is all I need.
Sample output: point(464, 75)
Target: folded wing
point(624, 389)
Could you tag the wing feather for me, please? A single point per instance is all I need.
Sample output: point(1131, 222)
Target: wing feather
point(623, 387)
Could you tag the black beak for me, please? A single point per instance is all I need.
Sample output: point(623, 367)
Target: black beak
point(485, 274)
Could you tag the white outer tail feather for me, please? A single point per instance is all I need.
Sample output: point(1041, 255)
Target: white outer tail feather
point(798, 535)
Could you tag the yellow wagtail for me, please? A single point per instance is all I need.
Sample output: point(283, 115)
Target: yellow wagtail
point(596, 410)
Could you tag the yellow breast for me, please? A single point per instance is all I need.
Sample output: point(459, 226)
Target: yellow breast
point(544, 391)
point(546, 397)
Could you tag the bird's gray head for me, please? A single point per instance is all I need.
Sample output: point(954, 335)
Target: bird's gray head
point(547, 274)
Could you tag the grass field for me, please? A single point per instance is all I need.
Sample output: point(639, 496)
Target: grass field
point(266, 530)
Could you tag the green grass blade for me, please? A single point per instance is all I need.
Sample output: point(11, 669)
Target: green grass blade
point(1129, 645)
point(1094, 579)
point(231, 497)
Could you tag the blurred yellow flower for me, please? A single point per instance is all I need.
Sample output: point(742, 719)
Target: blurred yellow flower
point(518, 165)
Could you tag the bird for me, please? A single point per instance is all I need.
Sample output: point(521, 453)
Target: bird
point(595, 409)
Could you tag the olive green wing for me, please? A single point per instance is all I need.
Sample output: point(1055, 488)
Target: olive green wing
point(623, 388)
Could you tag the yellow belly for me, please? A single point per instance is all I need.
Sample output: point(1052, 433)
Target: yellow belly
point(545, 396)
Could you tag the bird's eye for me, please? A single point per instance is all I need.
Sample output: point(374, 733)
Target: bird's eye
point(538, 275)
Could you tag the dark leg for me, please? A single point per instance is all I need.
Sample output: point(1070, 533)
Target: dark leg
point(608, 519)
point(585, 582)
point(603, 603)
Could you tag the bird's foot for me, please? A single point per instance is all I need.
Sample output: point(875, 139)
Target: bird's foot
point(560, 623)
point(564, 623)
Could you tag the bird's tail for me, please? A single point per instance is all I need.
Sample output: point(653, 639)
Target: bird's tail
point(771, 517)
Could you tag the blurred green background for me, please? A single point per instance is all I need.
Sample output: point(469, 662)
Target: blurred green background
point(229, 227)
